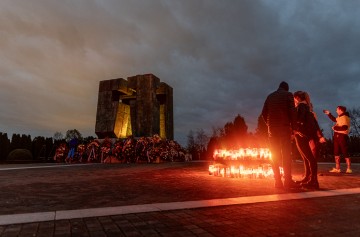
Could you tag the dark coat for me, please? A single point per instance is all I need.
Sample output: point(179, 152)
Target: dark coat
point(306, 123)
point(279, 113)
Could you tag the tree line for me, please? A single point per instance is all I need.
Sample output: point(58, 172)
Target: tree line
point(41, 148)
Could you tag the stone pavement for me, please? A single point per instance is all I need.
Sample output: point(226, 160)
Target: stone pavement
point(171, 199)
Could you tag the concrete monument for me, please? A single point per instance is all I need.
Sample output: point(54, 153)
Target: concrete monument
point(140, 106)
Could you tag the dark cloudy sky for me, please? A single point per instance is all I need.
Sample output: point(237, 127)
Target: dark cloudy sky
point(221, 57)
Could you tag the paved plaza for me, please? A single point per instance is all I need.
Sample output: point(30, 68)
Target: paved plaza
point(171, 199)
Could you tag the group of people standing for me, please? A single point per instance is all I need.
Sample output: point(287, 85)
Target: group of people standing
point(290, 116)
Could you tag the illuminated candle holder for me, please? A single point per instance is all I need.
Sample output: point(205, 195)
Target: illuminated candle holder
point(242, 163)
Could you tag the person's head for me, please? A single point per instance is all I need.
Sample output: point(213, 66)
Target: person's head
point(308, 101)
point(340, 109)
point(284, 85)
point(299, 96)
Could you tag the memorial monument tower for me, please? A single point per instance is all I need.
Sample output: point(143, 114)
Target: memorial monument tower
point(140, 106)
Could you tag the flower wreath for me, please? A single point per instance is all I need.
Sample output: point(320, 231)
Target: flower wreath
point(106, 146)
point(129, 151)
point(92, 144)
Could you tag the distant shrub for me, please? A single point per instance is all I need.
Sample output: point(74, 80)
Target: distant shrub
point(20, 154)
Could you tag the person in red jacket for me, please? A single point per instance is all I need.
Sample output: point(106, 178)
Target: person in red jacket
point(341, 138)
point(279, 115)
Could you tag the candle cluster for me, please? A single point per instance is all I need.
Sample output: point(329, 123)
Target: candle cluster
point(243, 154)
point(262, 171)
point(242, 163)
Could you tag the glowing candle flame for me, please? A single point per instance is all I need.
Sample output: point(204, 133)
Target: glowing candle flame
point(259, 166)
point(242, 153)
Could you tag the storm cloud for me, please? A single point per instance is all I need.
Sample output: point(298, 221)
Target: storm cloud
point(221, 57)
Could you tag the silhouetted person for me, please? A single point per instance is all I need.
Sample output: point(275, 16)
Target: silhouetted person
point(72, 145)
point(279, 115)
point(306, 130)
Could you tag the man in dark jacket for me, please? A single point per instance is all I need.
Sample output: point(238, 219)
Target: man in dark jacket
point(279, 115)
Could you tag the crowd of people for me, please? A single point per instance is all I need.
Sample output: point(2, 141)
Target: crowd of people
point(130, 150)
point(290, 116)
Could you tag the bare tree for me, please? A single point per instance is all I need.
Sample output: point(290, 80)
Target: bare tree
point(191, 146)
point(355, 121)
point(201, 139)
point(74, 133)
point(58, 136)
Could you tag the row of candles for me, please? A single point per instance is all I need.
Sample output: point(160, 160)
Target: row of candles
point(262, 171)
point(232, 163)
point(243, 154)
